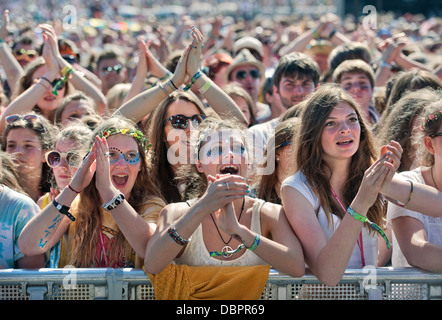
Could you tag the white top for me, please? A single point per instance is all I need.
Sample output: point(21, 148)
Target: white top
point(369, 240)
point(432, 226)
point(196, 253)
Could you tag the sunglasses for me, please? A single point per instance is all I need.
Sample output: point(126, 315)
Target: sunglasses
point(180, 121)
point(53, 158)
point(22, 54)
point(107, 70)
point(56, 84)
point(242, 74)
point(129, 157)
point(30, 118)
point(437, 134)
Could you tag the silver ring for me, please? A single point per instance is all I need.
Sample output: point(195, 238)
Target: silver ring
point(227, 184)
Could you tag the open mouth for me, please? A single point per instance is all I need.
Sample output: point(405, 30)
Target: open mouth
point(49, 98)
point(120, 179)
point(229, 169)
point(344, 142)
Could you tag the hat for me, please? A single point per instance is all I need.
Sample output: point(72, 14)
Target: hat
point(248, 43)
point(244, 58)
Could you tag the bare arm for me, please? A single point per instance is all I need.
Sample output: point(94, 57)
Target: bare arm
point(414, 244)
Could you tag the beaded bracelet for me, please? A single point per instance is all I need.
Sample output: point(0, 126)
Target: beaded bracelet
point(171, 231)
point(194, 78)
point(63, 210)
point(401, 204)
point(361, 218)
point(114, 202)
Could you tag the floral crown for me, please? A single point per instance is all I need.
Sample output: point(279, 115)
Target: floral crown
point(136, 134)
point(434, 116)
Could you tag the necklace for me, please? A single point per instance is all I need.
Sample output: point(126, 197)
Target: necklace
point(227, 248)
point(432, 177)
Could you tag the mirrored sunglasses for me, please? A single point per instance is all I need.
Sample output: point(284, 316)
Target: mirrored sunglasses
point(29, 118)
point(109, 69)
point(53, 158)
point(180, 121)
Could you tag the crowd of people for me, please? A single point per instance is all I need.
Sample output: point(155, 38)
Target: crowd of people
point(288, 143)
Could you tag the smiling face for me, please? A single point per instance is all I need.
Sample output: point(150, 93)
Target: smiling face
point(124, 164)
point(341, 133)
point(223, 153)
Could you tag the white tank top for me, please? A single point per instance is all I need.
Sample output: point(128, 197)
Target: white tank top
point(196, 253)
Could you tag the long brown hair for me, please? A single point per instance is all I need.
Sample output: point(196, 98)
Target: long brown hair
point(89, 212)
point(162, 169)
point(309, 152)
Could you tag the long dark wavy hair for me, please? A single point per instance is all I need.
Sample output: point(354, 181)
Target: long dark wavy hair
point(309, 159)
point(162, 169)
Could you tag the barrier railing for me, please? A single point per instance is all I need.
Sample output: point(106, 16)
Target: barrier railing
point(134, 284)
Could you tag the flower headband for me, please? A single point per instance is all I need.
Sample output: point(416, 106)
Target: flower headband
point(431, 117)
point(136, 134)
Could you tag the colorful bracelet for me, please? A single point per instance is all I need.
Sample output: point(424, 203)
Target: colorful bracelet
point(66, 70)
point(194, 78)
point(171, 231)
point(63, 210)
point(255, 243)
point(401, 204)
point(361, 218)
point(114, 202)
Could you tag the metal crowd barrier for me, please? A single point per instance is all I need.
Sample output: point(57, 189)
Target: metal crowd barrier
point(134, 284)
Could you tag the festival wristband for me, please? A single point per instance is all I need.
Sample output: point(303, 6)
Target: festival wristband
point(361, 218)
point(171, 231)
point(63, 210)
point(194, 78)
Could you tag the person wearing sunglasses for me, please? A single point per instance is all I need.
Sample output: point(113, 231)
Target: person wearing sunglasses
point(248, 72)
point(109, 208)
point(417, 238)
point(110, 69)
point(27, 138)
point(47, 80)
point(174, 114)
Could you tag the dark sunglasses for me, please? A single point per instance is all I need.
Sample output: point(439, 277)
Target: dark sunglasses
point(56, 84)
point(21, 54)
point(29, 118)
point(53, 158)
point(180, 121)
point(242, 74)
point(437, 134)
point(117, 69)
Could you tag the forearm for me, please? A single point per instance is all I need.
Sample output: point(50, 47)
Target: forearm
point(135, 229)
point(12, 68)
point(219, 100)
point(142, 104)
point(407, 64)
point(284, 258)
point(45, 229)
point(162, 249)
point(424, 199)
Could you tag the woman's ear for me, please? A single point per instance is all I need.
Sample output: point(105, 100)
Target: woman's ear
point(199, 166)
point(428, 141)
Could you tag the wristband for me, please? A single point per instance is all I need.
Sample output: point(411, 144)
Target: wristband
point(67, 70)
point(114, 202)
point(361, 218)
point(69, 186)
point(255, 243)
point(316, 34)
point(401, 204)
point(194, 78)
point(385, 65)
point(205, 87)
point(63, 210)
